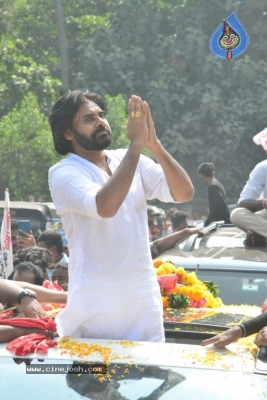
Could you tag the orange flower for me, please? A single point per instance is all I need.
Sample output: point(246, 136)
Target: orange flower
point(166, 302)
point(157, 263)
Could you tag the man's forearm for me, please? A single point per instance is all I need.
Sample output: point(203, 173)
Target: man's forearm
point(111, 196)
point(43, 295)
point(168, 242)
point(178, 180)
point(252, 205)
point(9, 292)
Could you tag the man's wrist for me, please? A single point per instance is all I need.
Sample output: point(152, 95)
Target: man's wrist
point(26, 300)
point(155, 147)
point(242, 330)
point(26, 293)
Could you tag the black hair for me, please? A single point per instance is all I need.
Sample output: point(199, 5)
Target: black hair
point(177, 217)
point(206, 169)
point(39, 275)
point(37, 255)
point(63, 113)
point(51, 238)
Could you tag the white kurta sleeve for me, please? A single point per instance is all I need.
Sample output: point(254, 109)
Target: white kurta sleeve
point(73, 191)
point(154, 181)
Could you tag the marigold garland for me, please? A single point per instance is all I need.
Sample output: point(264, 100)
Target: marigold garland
point(177, 281)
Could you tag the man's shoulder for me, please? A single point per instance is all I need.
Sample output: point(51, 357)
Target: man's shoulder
point(71, 161)
point(64, 161)
point(215, 185)
point(260, 166)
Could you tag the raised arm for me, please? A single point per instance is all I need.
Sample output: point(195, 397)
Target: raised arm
point(112, 194)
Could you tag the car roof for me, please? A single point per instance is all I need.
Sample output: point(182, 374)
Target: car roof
point(221, 242)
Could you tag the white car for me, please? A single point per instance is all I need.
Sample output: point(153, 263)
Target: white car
point(134, 370)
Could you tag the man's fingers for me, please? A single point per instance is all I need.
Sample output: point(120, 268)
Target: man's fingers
point(209, 341)
point(136, 104)
point(22, 314)
point(131, 106)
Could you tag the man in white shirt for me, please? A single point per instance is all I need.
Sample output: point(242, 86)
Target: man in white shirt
point(101, 197)
point(251, 214)
point(52, 241)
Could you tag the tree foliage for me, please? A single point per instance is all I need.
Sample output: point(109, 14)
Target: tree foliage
point(205, 109)
point(117, 119)
point(26, 151)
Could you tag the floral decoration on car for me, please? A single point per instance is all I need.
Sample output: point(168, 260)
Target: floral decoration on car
point(181, 289)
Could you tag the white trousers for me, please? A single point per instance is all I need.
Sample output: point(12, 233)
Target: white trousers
point(246, 219)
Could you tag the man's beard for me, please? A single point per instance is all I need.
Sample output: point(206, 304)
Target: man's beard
point(96, 141)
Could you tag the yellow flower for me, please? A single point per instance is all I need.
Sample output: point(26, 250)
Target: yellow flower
point(181, 271)
point(197, 293)
point(213, 302)
point(157, 263)
point(165, 269)
point(190, 279)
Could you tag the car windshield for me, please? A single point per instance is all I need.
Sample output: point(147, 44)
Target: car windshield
point(125, 382)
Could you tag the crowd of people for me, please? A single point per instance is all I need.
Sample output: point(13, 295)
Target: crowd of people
point(37, 264)
point(101, 196)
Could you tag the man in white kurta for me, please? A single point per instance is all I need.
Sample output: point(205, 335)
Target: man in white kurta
point(251, 213)
point(113, 289)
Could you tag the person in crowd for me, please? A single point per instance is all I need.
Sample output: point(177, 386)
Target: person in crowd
point(66, 251)
point(180, 232)
point(179, 220)
point(28, 298)
point(52, 241)
point(218, 209)
point(20, 242)
point(38, 256)
point(251, 215)
point(195, 215)
point(101, 197)
point(153, 217)
point(169, 213)
point(28, 303)
point(28, 272)
point(61, 275)
point(254, 325)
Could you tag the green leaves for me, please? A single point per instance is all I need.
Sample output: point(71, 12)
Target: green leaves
point(204, 109)
point(26, 151)
point(213, 288)
point(179, 301)
point(117, 118)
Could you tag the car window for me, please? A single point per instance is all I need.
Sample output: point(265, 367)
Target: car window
point(238, 287)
